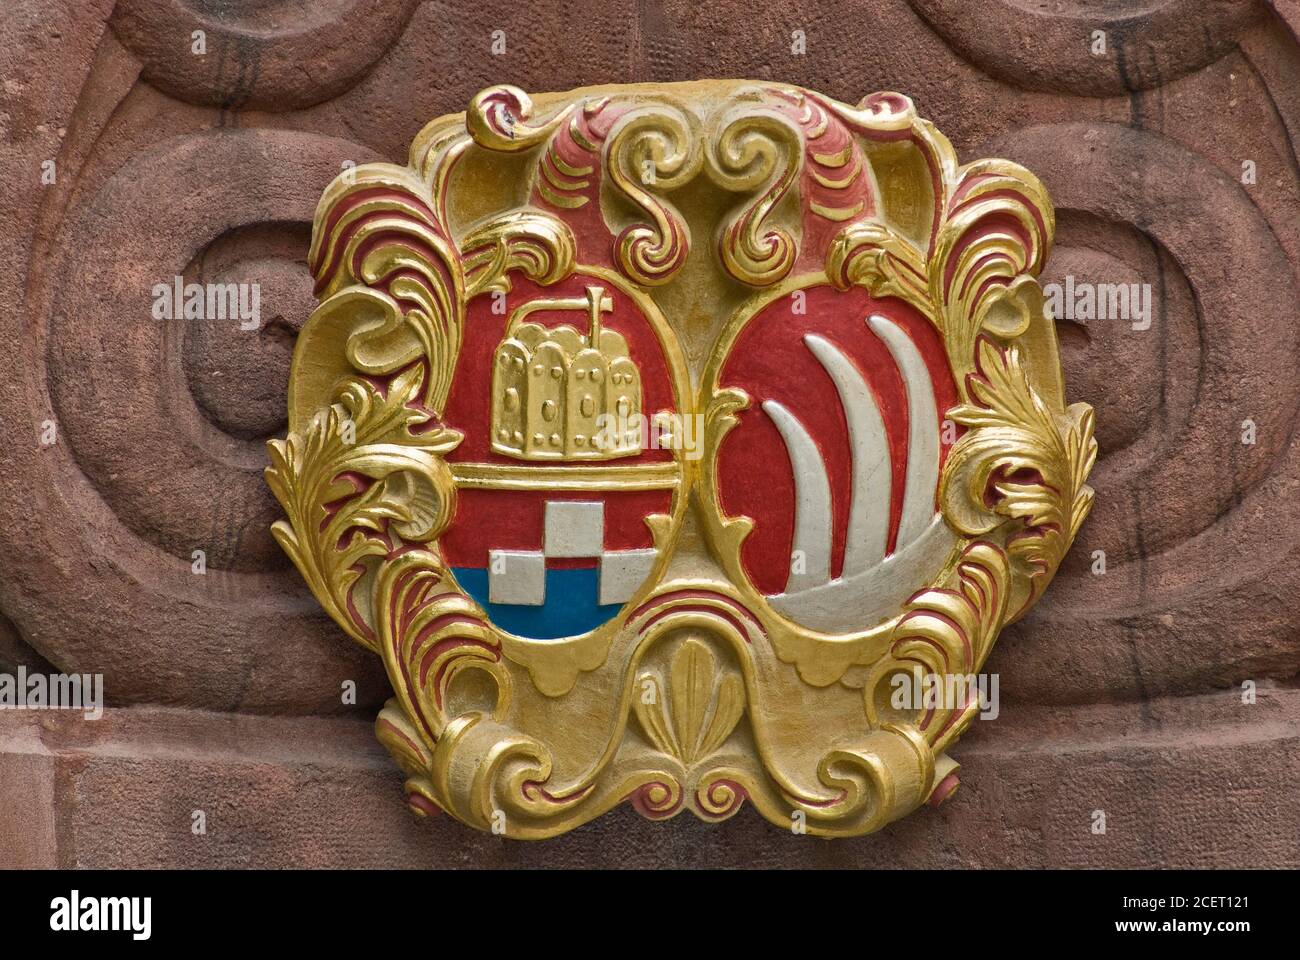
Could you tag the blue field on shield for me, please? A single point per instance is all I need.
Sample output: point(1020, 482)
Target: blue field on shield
point(570, 608)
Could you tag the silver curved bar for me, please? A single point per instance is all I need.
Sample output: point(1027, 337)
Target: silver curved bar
point(923, 431)
point(868, 530)
point(812, 501)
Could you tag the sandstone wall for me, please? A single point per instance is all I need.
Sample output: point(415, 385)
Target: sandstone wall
point(1121, 692)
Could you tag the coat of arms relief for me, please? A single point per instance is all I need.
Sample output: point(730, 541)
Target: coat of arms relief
point(652, 434)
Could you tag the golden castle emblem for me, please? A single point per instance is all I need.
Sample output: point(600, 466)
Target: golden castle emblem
point(558, 394)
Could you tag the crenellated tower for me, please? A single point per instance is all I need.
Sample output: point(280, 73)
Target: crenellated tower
point(560, 394)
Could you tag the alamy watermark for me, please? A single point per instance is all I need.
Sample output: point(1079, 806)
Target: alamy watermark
point(179, 300)
point(54, 691)
point(916, 690)
point(662, 431)
point(75, 913)
point(1081, 300)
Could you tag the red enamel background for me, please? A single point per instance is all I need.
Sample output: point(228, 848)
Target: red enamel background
point(489, 519)
point(770, 361)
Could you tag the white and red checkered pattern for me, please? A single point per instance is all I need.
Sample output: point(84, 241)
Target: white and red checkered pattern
point(574, 529)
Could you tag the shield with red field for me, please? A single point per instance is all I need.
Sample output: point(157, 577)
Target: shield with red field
point(558, 474)
point(837, 458)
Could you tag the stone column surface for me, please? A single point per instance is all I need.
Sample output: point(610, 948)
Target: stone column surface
point(146, 140)
point(1197, 781)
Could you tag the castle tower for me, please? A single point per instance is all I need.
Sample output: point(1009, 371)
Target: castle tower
point(623, 393)
point(544, 409)
point(556, 392)
point(509, 393)
point(588, 377)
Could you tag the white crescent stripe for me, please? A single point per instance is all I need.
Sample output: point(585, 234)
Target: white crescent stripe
point(812, 501)
point(868, 530)
point(923, 431)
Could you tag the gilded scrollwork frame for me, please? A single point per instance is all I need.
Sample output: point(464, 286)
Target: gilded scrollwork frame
point(697, 695)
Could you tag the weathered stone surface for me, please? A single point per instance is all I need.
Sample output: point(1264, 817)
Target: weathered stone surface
point(209, 166)
point(27, 809)
point(1195, 781)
